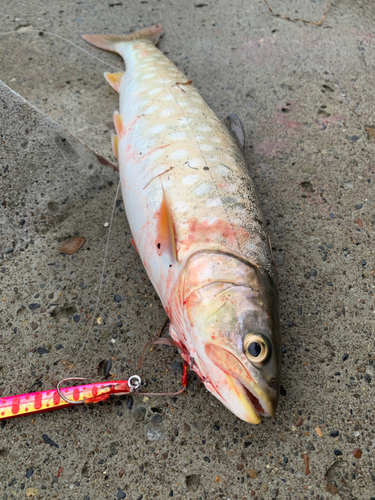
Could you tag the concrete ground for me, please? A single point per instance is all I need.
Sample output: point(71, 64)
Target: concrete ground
point(305, 95)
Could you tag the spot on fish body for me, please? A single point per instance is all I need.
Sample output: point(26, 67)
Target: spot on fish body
point(206, 147)
point(181, 206)
point(156, 129)
point(150, 110)
point(202, 189)
point(177, 136)
point(215, 202)
point(167, 112)
point(155, 91)
point(179, 154)
point(204, 128)
point(190, 179)
point(194, 163)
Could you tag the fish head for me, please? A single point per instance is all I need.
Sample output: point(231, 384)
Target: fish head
point(233, 314)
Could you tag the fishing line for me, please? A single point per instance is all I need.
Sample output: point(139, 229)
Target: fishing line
point(65, 40)
point(118, 187)
point(101, 278)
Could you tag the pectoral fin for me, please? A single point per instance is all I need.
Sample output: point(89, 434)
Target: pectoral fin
point(166, 241)
point(114, 79)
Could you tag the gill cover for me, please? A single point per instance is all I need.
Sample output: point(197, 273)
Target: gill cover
point(230, 305)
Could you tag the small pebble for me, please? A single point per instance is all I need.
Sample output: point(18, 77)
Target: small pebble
point(299, 422)
point(207, 459)
point(34, 307)
point(107, 368)
point(129, 402)
point(117, 298)
point(156, 419)
point(42, 350)
point(337, 453)
point(49, 441)
point(76, 318)
point(345, 357)
point(121, 494)
point(29, 472)
point(72, 246)
point(363, 263)
point(334, 434)
point(357, 453)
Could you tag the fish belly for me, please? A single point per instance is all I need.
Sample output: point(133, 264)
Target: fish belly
point(174, 146)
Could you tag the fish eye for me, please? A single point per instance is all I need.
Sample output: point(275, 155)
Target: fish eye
point(256, 348)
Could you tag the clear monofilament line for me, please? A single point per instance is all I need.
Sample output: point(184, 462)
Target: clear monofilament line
point(61, 38)
point(101, 279)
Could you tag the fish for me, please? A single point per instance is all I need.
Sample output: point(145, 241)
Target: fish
point(197, 225)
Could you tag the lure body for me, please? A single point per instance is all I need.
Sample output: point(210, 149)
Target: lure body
point(38, 402)
point(196, 224)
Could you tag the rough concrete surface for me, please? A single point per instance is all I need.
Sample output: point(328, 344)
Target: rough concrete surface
point(305, 95)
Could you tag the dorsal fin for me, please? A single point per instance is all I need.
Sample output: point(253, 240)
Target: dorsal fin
point(114, 142)
point(114, 79)
point(113, 42)
point(166, 241)
point(119, 126)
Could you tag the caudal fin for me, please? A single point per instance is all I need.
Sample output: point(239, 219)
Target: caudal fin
point(112, 42)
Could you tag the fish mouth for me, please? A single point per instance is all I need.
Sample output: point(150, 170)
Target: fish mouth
point(237, 393)
point(255, 402)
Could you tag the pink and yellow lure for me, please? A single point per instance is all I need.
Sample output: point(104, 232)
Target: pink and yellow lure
point(37, 402)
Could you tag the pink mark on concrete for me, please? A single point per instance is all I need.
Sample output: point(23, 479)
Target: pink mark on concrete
point(270, 148)
point(292, 124)
point(329, 120)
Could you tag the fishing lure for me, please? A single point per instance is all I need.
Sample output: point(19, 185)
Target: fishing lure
point(55, 399)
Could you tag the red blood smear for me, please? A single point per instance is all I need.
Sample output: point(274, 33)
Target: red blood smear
point(15, 405)
point(94, 391)
point(56, 398)
point(76, 394)
point(38, 401)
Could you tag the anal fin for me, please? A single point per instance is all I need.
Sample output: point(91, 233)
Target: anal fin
point(114, 142)
point(119, 126)
point(114, 79)
point(166, 241)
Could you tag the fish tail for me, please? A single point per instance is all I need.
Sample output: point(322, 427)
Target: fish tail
point(113, 42)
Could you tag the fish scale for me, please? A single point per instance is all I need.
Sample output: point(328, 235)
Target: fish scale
point(197, 226)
